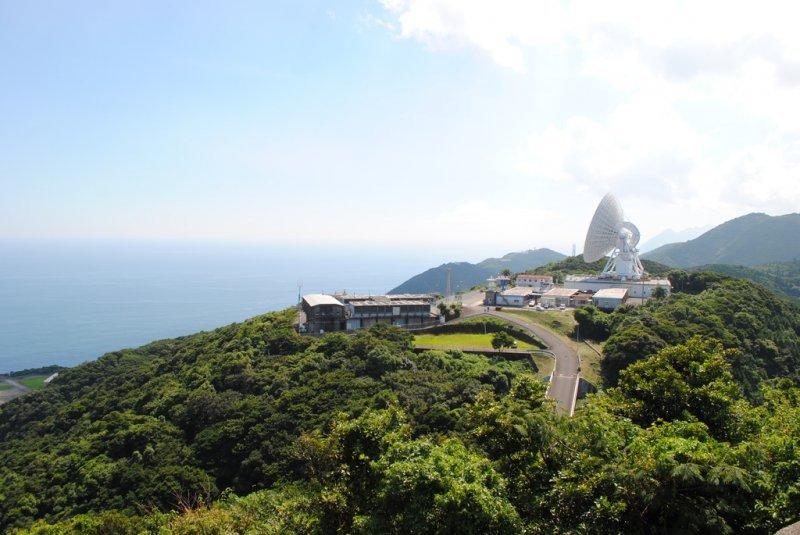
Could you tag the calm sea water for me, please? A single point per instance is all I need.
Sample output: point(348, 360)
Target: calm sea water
point(65, 303)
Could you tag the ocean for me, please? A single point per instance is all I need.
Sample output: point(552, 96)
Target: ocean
point(66, 303)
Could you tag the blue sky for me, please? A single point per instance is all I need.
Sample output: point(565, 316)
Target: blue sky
point(436, 124)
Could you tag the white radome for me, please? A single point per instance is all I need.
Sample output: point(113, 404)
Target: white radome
point(610, 234)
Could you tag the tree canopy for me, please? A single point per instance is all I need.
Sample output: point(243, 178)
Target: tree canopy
point(254, 428)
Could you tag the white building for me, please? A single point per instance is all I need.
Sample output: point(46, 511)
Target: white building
point(641, 289)
point(541, 283)
point(559, 296)
point(518, 296)
point(610, 298)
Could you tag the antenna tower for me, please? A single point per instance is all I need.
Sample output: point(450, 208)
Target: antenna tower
point(448, 288)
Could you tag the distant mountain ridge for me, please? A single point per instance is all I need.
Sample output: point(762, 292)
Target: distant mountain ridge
point(465, 275)
point(672, 236)
point(750, 240)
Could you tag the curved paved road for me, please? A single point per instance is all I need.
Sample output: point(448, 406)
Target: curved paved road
point(17, 389)
point(564, 382)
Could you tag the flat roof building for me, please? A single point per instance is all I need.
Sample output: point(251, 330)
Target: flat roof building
point(323, 313)
point(610, 298)
point(326, 313)
point(401, 310)
point(559, 297)
point(518, 296)
point(542, 283)
point(641, 289)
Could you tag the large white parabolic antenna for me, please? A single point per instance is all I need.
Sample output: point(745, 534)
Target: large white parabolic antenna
point(609, 233)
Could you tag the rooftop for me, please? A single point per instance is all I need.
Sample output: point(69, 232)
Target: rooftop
point(561, 292)
point(534, 277)
point(390, 298)
point(314, 300)
point(612, 293)
point(389, 302)
point(518, 290)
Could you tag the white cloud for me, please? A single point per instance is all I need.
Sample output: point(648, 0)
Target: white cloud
point(706, 112)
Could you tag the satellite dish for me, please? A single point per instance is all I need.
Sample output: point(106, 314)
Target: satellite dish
point(604, 229)
point(610, 234)
point(635, 234)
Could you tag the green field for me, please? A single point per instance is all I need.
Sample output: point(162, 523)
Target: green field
point(480, 341)
point(461, 341)
point(5, 386)
point(560, 321)
point(34, 382)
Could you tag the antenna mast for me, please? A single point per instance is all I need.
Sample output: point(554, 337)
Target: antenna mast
point(448, 287)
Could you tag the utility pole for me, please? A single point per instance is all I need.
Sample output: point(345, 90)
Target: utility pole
point(448, 289)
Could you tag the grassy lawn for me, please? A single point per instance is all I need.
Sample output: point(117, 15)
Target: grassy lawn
point(590, 364)
point(480, 341)
point(34, 382)
point(461, 340)
point(5, 386)
point(544, 364)
point(560, 321)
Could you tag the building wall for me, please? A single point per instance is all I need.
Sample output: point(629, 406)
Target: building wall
point(557, 301)
point(607, 303)
point(323, 318)
point(512, 300)
point(635, 289)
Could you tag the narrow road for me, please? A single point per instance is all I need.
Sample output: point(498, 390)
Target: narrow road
point(17, 389)
point(564, 381)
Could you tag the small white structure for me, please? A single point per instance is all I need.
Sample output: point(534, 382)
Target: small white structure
point(541, 283)
point(518, 296)
point(559, 296)
point(47, 381)
point(610, 298)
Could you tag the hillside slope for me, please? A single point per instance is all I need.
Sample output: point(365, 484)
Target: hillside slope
point(466, 275)
point(359, 434)
point(748, 240)
point(780, 277)
point(150, 427)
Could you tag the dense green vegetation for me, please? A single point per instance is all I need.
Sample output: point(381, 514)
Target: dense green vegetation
point(218, 410)
point(704, 461)
point(575, 265)
point(780, 277)
point(738, 313)
point(753, 239)
point(44, 370)
point(466, 275)
point(253, 428)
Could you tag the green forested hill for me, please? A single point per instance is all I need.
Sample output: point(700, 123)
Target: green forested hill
point(747, 241)
point(738, 313)
point(358, 434)
point(466, 275)
point(780, 277)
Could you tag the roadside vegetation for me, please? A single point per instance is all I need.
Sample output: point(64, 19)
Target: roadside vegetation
point(254, 428)
point(563, 323)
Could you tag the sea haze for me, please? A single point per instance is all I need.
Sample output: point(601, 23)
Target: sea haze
point(65, 303)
